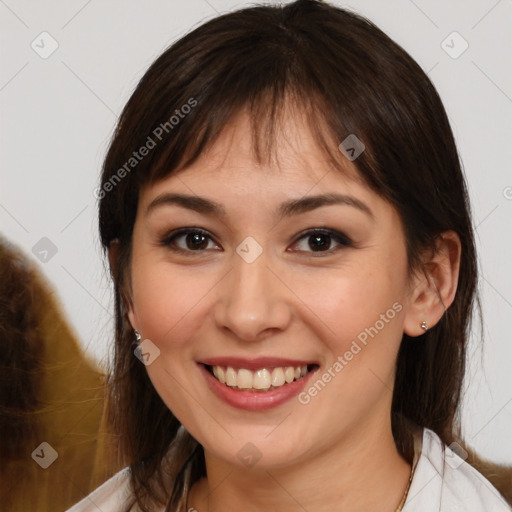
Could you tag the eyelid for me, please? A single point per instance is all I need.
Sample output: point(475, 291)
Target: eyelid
point(169, 237)
point(324, 231)
point(340, 238)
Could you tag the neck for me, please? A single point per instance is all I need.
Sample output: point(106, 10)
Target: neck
point(360, 473)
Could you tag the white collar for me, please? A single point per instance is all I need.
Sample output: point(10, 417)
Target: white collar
point(444, 482)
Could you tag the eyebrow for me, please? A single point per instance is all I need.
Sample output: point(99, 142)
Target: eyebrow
point(286, 209)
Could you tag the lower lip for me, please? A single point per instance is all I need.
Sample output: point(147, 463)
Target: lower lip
point(254, 400)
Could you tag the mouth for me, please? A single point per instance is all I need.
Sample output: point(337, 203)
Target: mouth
point(257, 384)
point(259, 380)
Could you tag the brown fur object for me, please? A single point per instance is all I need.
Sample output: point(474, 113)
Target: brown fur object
point(499, 475)
point(48, 393)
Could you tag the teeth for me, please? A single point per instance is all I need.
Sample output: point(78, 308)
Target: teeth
point(218, 371)
point(231, 377)
point(245, 379)
point(260, 380)
point(278, 377)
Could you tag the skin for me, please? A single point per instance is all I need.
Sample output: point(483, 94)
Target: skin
point(337, 452)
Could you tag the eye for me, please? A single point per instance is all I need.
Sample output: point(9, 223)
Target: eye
point(189, 240)
point(199, 240)
point(322, 240)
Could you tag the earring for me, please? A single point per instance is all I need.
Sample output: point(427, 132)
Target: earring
point(138, 337)
point(424, 326)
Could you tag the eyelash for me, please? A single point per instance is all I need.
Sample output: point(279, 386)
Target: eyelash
point(335, 236)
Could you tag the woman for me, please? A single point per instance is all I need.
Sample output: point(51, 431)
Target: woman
point(290, 241)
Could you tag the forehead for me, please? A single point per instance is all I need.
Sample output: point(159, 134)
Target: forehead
point(246, 191)
point(295, 162)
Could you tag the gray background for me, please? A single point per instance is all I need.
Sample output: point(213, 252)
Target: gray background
point(58, 114)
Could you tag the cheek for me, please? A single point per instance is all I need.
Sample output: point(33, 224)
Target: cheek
point(165, 302)
point(353, 299)
point(168, 307)
point(362, 308)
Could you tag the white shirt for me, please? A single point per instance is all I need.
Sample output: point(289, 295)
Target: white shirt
point(442, 482)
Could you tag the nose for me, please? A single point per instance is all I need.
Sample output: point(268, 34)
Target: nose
point(253, 301)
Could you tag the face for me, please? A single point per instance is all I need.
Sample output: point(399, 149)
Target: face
point(289, 282)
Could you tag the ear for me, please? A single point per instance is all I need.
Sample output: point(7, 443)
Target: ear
point(113, 258)
point(434, 286)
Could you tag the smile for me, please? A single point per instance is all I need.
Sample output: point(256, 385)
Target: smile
point(260, 380)
point(256, 384)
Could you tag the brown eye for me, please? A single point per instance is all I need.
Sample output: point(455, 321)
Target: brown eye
point(322, 241)
point(319, 242)
point(189, 240)
point(196, 241)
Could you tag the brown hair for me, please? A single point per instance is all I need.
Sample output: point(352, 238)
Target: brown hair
point(46, 385)
point(348, 77)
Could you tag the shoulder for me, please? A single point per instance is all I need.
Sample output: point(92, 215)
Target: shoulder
point(112, 496)
point(444, 481)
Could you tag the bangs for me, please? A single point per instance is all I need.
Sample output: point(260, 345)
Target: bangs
point(191, 92)
point(269, 113)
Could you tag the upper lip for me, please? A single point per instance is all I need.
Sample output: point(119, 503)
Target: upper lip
point(254, 364)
